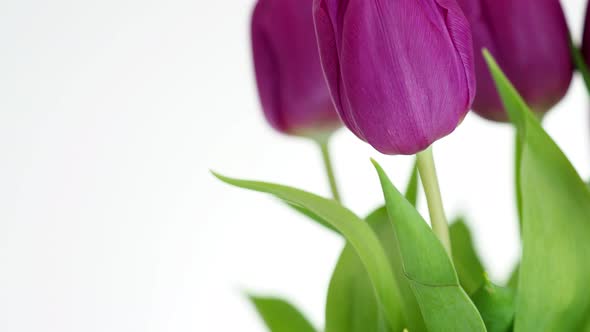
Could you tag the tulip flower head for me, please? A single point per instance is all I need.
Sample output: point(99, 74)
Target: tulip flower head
point(586, 37)
point(291, 85)
point(400, 71)
point(529, 39)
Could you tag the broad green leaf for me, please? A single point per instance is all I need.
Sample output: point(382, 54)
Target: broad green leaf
point(313, 217)
point(351, 304)
point(467, 264)
point(496, 306)
point(554, 272)
point(281, 316)
point(444, 304)
point(357, 232)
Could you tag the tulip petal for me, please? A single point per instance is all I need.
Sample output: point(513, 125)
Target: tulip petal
point(401, 71)
point(529, 38)
point(291, 84)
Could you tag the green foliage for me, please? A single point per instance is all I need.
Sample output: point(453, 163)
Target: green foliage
point(469, 268)
point(394, 274)
point(496, 306)
point(513, 279)
point(313, 217)
point(426, 267)
point(356, 231)
point(554, 273)
point(411, 195)
point(351, 305)
point(281, 316)
point(412, 187)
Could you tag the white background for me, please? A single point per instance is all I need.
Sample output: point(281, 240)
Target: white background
point(111, 114)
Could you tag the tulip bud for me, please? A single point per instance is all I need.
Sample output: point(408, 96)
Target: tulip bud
point(400, 72)
point(291, 85)
point(529, 39)
point(586, 38)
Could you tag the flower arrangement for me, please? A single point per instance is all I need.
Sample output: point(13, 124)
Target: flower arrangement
point(401, 74)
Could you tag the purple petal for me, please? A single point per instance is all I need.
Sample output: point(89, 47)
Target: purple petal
point(529, 39)
point(291, 84)
point(402, 70)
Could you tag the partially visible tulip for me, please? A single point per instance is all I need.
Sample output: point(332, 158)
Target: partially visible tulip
point(529, 39)
point(291, 85)
point(400, 71)
point(586, 39)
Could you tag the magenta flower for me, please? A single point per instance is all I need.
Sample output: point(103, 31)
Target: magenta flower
point(291, 85)
point(529, 39)
point(586, 39)
point(400, 71)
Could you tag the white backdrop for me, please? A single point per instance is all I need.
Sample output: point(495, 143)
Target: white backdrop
point(111, 114)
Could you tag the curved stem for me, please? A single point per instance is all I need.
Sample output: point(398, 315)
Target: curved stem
point(429, 179)
point(323, 144)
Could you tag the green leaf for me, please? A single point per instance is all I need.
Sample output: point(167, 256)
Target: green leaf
point(411, 194)
point(444, 304)
point(513, 280)
point(554, 272)
point(496, 306)
point(313, 217)
point(281, 316)
point(517, 194)
point(351, 304)
point(357, 232)
point(412, 187)
point(467, 264)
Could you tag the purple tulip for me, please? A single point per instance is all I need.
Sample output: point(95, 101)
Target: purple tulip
point(529, 39)
point(400, 71)
point(291, 85)
point(586, 39)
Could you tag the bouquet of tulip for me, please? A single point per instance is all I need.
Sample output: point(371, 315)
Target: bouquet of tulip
point(401, 74)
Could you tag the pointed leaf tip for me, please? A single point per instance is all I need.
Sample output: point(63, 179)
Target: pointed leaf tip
point(467, 263)
point(225, 179)
point(486, 53)
point(383, 178)
point(217, 175)
point(427, 267)
point(375, 163)
point(549, 299)
point(514, 104)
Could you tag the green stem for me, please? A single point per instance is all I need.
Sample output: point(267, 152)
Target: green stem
point(429, 179)
point(323, 144)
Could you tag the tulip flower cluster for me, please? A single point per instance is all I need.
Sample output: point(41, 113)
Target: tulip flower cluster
point(400, 75)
